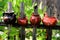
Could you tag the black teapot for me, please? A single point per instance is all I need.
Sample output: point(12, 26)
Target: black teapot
point(9, 18)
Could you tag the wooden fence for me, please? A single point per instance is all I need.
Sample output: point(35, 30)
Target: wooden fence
point(41, 26)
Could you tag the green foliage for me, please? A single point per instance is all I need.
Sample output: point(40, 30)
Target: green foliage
point(3, 35)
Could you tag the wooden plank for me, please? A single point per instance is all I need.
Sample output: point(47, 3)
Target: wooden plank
point(34, 32)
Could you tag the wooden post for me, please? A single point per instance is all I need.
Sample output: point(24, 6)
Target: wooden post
point(22, 15)
point(49, 34)
point(36, 10)
point(22, 33)
point(50, 7)
point(9, 31)
point(34, 26)
point(50, 12)
point(34, 33)
point(9, 25)
point(9, 7)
